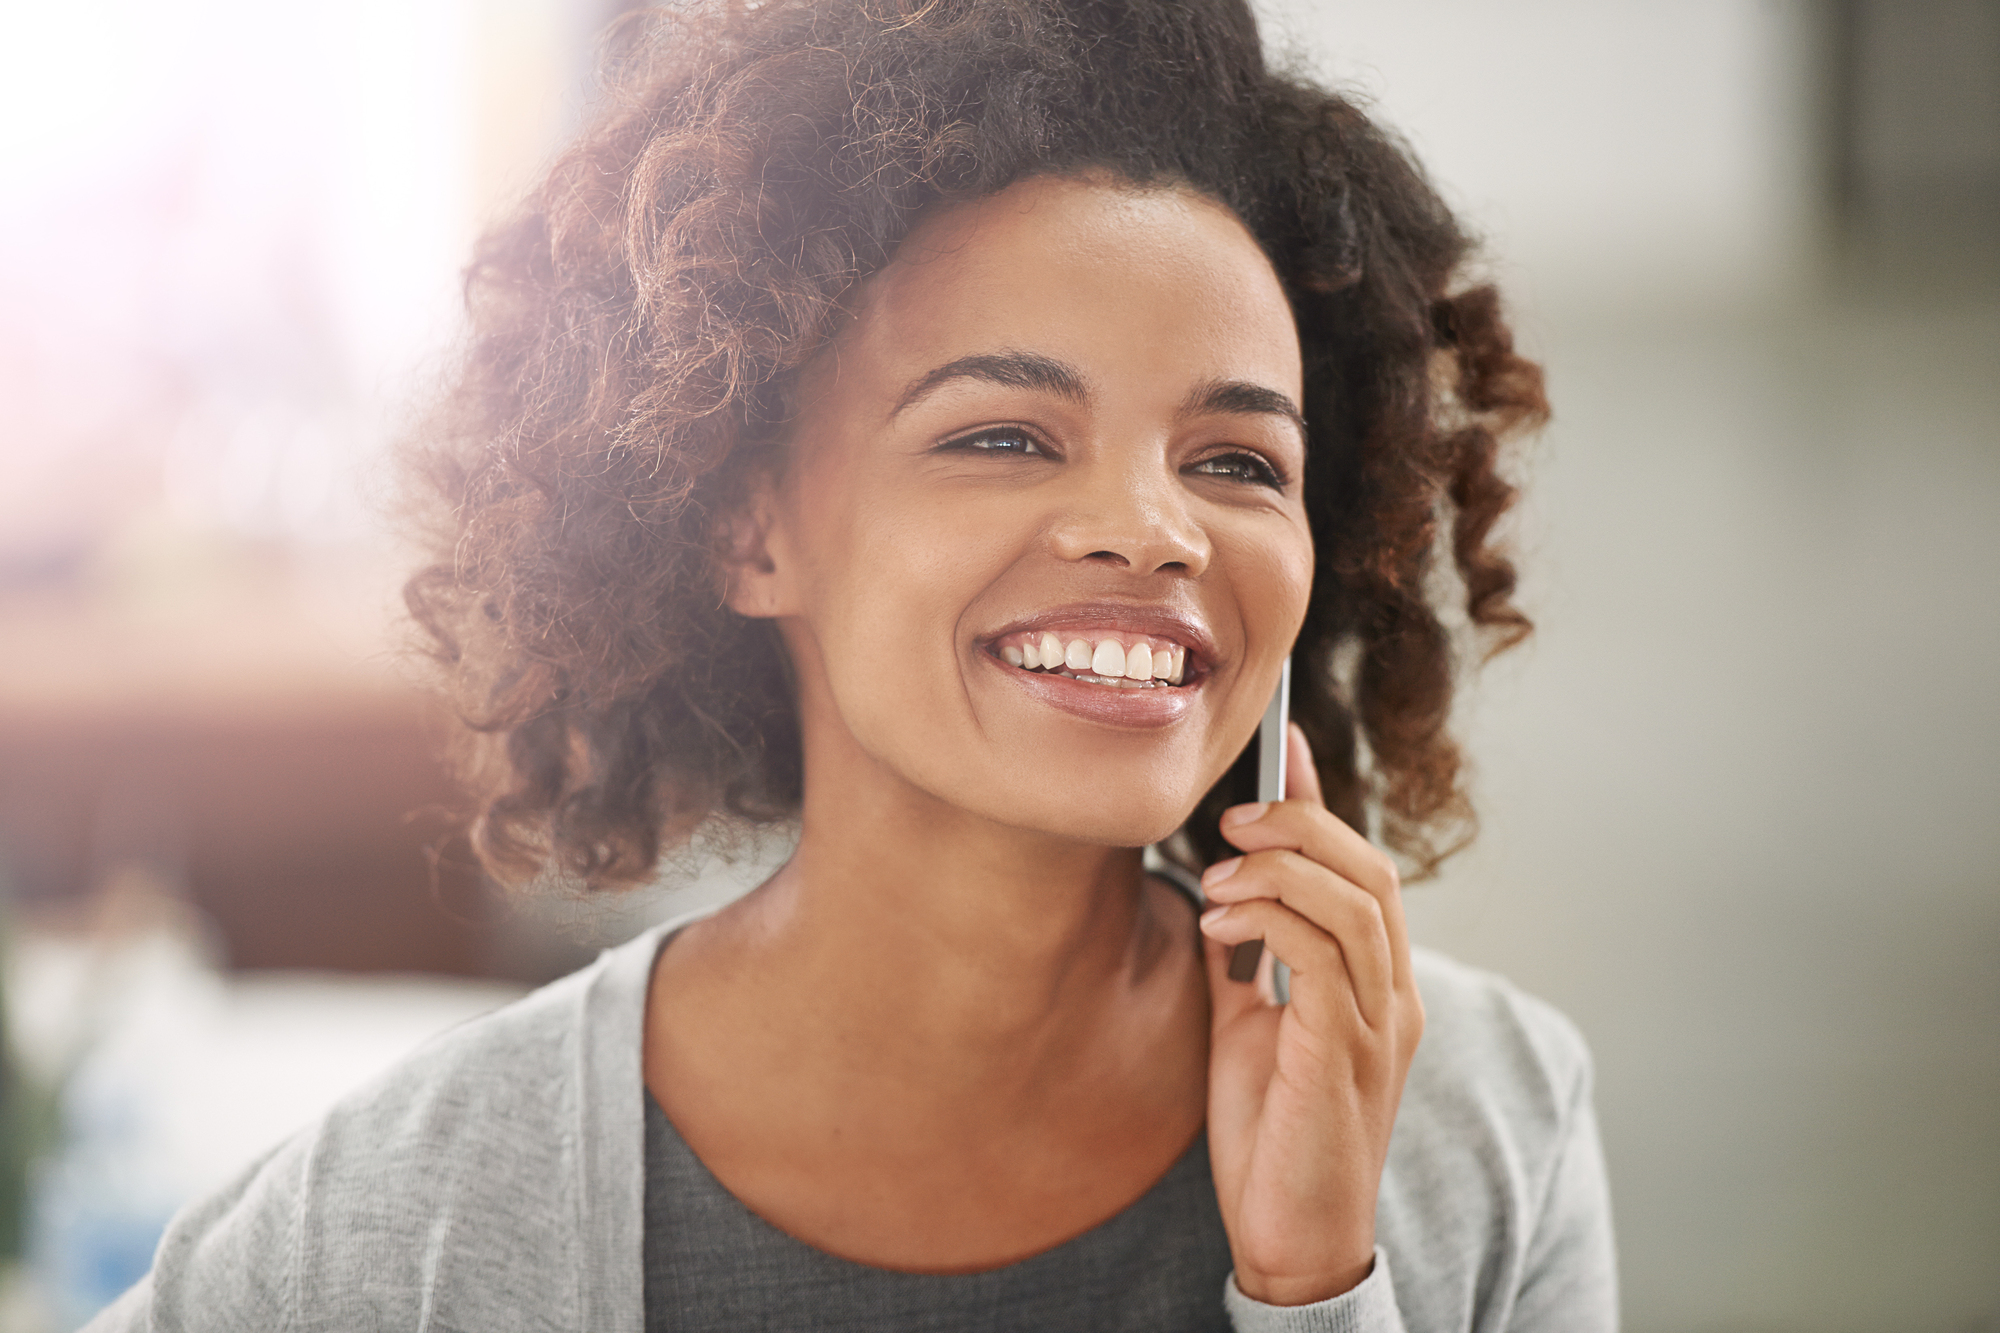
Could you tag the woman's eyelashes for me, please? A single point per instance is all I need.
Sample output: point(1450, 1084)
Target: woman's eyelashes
point(1242, 466)
point(999, 441)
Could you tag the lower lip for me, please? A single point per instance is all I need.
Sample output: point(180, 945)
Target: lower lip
point(1108, 705)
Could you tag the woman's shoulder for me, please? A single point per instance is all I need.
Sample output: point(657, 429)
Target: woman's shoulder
point(455, 1078)
point(1493, 1194)
point(1483, 1034)
point(1498, 1076)
point(525, 1072)
point(464, 1179)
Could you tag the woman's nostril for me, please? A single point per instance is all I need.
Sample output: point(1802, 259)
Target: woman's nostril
point(1112, 556)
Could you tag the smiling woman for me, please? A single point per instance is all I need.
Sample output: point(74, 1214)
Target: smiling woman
point(939, 424)
point(642, 324)
point(1065, 409)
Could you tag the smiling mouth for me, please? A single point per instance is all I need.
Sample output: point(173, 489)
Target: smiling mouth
point(1125, 662)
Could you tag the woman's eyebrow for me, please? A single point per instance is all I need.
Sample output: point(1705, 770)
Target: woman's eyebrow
point(1030, 370)
point(1016, 370)
point(1240, 397)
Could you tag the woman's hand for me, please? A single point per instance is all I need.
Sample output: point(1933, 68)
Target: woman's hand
point(1301, 1098)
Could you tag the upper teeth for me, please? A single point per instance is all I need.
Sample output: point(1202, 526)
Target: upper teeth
point(1110, 658)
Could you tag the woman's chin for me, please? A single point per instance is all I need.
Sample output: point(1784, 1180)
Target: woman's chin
point(1105, 823)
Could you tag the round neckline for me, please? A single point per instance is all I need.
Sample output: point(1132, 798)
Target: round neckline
point(1176, 878)
point(1191, 1158)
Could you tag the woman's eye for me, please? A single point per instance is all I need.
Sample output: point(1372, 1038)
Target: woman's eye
point(1253, 468)
point(1001, 440)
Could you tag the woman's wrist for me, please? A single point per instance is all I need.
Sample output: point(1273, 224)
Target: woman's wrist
point(1287, 1289)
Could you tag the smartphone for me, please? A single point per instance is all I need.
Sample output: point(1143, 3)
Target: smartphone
point(1271, 749)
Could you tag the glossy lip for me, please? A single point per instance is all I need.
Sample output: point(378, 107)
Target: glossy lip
point(1106, 705)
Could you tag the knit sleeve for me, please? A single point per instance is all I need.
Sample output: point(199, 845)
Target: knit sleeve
point(1569, 1281)
point(228, 1263)
point(1370, 1307)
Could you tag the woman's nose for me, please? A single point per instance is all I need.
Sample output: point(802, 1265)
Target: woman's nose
point(1125, 518)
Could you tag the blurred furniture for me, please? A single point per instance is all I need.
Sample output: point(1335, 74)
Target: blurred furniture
point(254, 747)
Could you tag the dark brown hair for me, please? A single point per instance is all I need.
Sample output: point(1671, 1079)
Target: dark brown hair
point(637, 322)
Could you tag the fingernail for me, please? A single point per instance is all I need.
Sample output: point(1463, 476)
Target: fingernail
point(1244, 814)
point(1213, 915)
point(1220, 871)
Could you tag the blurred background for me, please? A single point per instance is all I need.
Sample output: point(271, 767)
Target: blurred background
point(1741, 792)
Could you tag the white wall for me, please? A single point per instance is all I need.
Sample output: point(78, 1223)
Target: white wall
point(1611, 151)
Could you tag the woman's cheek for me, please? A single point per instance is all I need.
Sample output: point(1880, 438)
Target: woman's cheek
point(1271, 573)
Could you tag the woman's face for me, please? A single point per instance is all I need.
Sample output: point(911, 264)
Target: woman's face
point(1039, 548)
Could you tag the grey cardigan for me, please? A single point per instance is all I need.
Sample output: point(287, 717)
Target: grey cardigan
point(495, 1181)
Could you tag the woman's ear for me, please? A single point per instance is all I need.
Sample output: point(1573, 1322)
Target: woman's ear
point(755, 582)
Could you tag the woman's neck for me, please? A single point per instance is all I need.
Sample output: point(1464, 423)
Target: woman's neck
point(931, 1041)
point(911, 935)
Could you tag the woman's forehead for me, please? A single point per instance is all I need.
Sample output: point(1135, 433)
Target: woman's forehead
point(1082, 270)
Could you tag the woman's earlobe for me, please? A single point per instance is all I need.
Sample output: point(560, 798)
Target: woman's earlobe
point(751, 577)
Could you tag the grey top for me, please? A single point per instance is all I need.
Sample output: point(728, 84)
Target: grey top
point(497, 1179)
point(1159, 1264)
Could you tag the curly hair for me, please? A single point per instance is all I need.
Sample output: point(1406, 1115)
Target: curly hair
point(638, 322)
